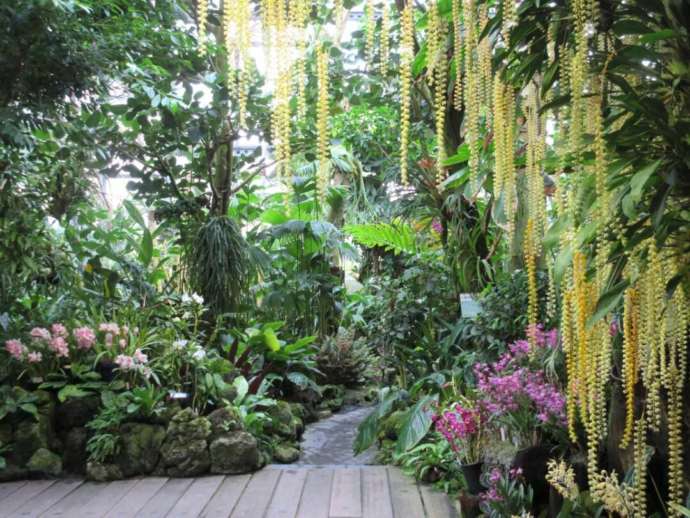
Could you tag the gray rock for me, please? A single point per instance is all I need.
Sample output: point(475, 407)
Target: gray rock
point(285, 453)
point(74, 454)
point(141, 444)
point(181, 457)
point(103, 472)
point(45, 463)
point(234, 453)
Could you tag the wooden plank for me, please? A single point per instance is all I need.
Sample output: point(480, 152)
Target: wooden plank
point(346, 493)
point(437, 504)
point(22, 495)
point(165, 498)
point(45, 499)
point(226, 497)
point(194, 499)
point(316, 495)
point(376, 494)
point(7, 488)
point(287, 494)
point(257, 494)
point(71, 505)
point(105, 497)
point(137, 497)
point(407, 501)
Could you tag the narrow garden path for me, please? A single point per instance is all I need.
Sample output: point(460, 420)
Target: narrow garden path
point(330, 440)
point(327, 482)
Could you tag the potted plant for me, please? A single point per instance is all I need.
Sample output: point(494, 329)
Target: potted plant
point(461, 425)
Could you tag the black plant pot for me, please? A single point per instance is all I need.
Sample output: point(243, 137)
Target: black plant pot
point(472, 473)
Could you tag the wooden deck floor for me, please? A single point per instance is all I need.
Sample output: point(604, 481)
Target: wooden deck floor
point(274, 492)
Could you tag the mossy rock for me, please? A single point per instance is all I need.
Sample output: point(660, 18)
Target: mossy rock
point(45, 463)
point(76, 412)
point(223, 420)
point(283, 423)
point(103, 472)
point(182, 457)
point(188, 425)
point(323, 414)
point(298, 410)
point(234, 453)
point(31, 435)
point(333, 392)
point(140, 451)
point(285, 453)
point(13, 472)
point(74, 454)
point(334, 404)
point(6, 433)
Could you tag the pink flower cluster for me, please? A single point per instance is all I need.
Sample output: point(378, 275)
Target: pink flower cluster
point(16, 349)
point(56, 340)
point(136, 362)
point(85, 337)
point(458, 425)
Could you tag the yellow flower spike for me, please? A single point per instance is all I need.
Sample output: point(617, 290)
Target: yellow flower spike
point(440, 95)
point(201, 20)
point(385, 37)
point(370, 33)
point(406, 57)
point(457, 52)
point(640, 466)
point(322, 124)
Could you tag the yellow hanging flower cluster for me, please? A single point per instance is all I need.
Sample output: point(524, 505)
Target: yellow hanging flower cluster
point(385, 38)
point(201, 20)
point(440, 95)
point(370, 33)
point(457, 52)
point(406, 57)
point(472, 89)
point(504, 152)
point(433, 40)
point(509, 20)
point(322, 124)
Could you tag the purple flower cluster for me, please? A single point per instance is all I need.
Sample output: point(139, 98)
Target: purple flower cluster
point(506, 392)
point(458, 425)
point(507, 385)
point(541, 337)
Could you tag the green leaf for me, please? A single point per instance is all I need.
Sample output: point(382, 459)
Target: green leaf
point(242, 386)
point(29, 408)
point(271, 340)
point(69, 391)
point(366, 433)
point(146, 248)
point(134, 213)
point(608, 302)
point(416, 425)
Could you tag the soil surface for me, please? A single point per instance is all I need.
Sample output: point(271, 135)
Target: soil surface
point(329, 441)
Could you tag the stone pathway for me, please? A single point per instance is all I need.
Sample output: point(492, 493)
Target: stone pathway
point(330, 440)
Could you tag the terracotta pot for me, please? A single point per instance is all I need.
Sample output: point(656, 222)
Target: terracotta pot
point(472, 473)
